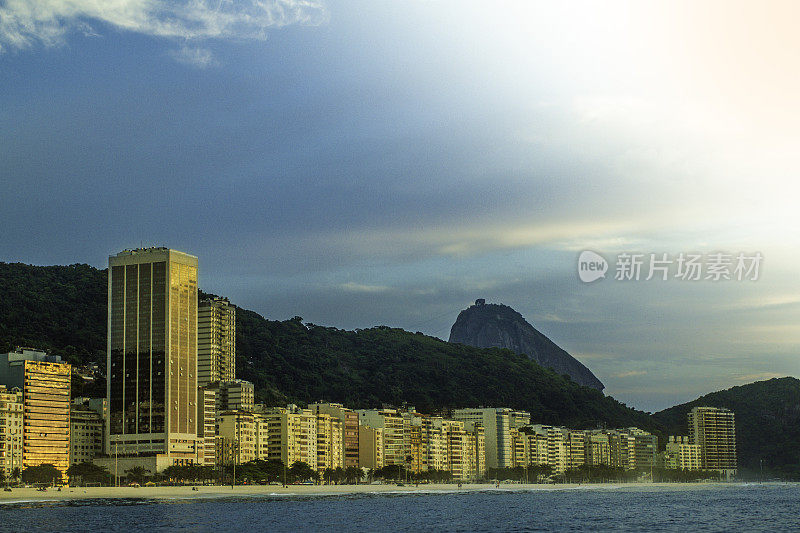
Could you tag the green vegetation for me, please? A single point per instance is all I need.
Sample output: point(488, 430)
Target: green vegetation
point(57, 308)
point(767, 425)
point(82, 473)
point(350, 475)
point(45, 473)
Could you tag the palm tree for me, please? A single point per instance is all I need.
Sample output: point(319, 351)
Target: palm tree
point(137, 474)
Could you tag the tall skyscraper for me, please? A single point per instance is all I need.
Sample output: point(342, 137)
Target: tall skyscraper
point(45, 384)
point(152, 354)
point(713, 428)
point(216, 341)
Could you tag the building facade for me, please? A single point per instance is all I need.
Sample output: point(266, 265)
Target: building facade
point(216, 341)
point(45, 384)
point(714, 430)
point(498, 425)
point(86, 430)
point(680, 454)
point(235, 395)
point(152, 354)
point(10, 430)
point(206, 426)
point(349, 419)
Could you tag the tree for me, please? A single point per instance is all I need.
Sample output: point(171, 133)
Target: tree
point(16, 473)
point(87, 473)
point(45, 473)
point(353, 474)
point(300, 472)
point(137, 474)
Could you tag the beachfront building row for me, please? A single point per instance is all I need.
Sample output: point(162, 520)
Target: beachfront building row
point(289, 434)
point(563, 448)
point(420, 442)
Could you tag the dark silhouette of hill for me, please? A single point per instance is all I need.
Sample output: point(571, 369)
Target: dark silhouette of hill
point(499, 326)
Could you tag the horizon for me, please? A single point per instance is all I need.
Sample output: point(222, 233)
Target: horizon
point(368, 163)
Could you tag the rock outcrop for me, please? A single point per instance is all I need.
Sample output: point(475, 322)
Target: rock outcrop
point(498, 326)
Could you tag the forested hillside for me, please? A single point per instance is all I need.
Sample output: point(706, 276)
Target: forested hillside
point(55, 308)
point(767, 423)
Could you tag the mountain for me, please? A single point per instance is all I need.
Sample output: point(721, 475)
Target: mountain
point(495, 325)
point(63, 309)
point(767, 424)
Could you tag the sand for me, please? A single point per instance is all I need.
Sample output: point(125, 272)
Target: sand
point(19, 495)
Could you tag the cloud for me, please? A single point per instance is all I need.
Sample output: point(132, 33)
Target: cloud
point(196, 57)
point(630, 374)
point(25, 23)
point(358, 287)
point(757, 376)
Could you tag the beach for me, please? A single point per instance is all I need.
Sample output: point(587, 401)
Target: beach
point(187, 492)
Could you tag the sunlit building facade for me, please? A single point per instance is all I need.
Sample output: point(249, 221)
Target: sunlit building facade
point(497, 424)
point(10, 430)
point(349, 420)
point(152, 354)
point(45, 384)
point(216, 341)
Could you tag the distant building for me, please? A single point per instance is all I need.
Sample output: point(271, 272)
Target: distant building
point(330, 442)
point(10, 430)
point(235, 395)
point(497, 424)
point(45, 384)
point(292, 435)
point(349, 419)
point(216, 341)
point(86, 429)
point(391, 422)
point(713, 429)
point(206, 426)
point(680, 454)
point(370, 447)
point(152, 355)
point(236, 436)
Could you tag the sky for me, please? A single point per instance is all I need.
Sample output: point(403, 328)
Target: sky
point(369, 162)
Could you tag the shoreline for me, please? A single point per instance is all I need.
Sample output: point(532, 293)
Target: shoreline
point(32, 495)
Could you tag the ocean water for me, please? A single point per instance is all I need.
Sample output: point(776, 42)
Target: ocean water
point(735, 507)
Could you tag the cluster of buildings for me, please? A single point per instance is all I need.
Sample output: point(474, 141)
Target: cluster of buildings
point(173, 399)
point(711, 444)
